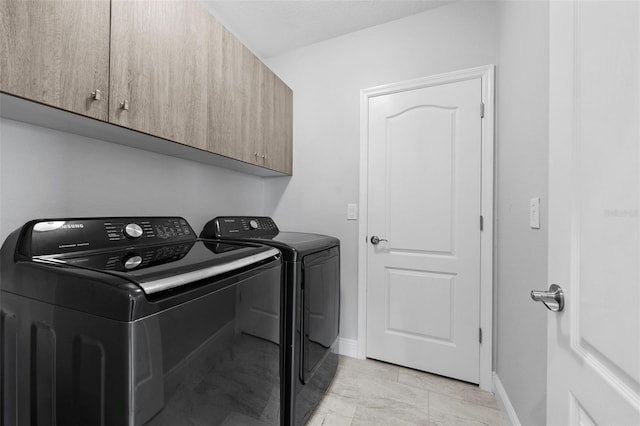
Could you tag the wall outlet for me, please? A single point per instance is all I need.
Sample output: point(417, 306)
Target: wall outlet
point(352, 212)
point(534, 213)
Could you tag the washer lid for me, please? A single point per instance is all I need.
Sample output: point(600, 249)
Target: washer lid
point(158, 268)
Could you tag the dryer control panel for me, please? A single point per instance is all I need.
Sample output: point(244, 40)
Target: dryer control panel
point(240, 227)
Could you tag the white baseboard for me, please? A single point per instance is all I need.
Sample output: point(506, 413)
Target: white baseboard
point(348, 347)
point(504, 403)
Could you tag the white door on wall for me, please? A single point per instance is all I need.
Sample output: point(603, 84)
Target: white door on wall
point(594, 220)
point(424, 203)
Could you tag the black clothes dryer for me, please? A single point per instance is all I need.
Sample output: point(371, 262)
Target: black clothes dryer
point(134, 321)
point(311, 279)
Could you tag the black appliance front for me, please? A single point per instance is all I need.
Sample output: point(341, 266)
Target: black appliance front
point(311, 277)
point(134, 321)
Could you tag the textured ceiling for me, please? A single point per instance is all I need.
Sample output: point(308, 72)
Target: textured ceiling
point(270, 28)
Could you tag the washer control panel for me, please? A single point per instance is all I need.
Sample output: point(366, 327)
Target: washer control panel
point(58, 236)
point(240, 227)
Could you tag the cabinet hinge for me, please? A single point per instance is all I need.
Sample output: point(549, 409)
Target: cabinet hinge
point(482, 110)
point(481, 223)
point(480, 335)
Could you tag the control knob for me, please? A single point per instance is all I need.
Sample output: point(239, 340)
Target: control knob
point(132, 261)
point(253, 224)
point(133, 231)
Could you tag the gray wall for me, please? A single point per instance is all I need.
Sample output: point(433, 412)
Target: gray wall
point(522, 159)
point(326, 79)
point(47, 173)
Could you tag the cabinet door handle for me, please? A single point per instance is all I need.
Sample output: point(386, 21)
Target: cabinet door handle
point(264, 156)
point(124, 105)
point(96, 95)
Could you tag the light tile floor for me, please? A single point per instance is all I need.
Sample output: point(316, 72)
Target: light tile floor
point(368, 392)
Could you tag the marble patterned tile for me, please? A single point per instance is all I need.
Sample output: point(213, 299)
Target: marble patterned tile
point(370, 367)
point(329, 419)
point(337, 404)
point(389, 412)
point(362, 388)
point(373, 393)
point(315, 420)
point(434, 383)
point(447, 410)
point(333, 409)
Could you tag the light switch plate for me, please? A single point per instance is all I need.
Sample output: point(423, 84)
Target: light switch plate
point(352, 212)
point(534, 213)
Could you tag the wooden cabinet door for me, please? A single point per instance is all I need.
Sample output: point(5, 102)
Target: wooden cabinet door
point(234, 89)
point(267, 116)
point(56, 53)
point(276, 101)
point(159, 69)
point(279, 144)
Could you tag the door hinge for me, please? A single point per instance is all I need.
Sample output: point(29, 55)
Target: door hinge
point(481, 223)
point(482, 110)
point(480, 335)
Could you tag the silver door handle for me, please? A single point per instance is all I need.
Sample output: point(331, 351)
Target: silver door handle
point(375, 240)
point(552, 299)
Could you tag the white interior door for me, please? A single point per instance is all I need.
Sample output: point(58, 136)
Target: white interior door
point(594, 219)
point(424, 201)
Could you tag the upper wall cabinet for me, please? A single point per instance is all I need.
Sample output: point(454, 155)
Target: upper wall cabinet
point(164, 68)
point(159, 69)
point(56, 53)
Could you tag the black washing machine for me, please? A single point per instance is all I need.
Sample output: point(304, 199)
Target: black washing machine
point(135, 321)
point(311, 279)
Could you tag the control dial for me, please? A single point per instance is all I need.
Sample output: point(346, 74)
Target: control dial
point(132, 261)
point(253, 224)
point(133, 231)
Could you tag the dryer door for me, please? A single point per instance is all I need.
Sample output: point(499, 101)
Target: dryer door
point(321, 302)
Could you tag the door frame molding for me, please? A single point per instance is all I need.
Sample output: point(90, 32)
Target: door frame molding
point(487, 75)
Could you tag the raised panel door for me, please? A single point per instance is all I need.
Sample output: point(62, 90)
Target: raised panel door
point(423, 285)
point(56, 53)
point(593, 345)
point(159, 69)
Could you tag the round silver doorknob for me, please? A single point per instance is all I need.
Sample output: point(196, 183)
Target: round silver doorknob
point(552, 299)
point(375, 240)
